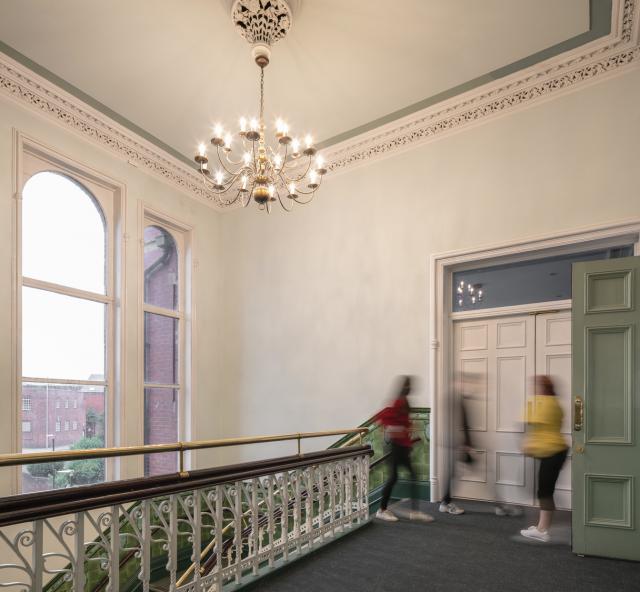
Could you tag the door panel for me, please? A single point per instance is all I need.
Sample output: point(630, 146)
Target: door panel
point(553, 358)
point(606, 465)
point(501, 353)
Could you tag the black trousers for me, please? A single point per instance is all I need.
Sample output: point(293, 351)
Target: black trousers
point(400, 458)
point(547, 477)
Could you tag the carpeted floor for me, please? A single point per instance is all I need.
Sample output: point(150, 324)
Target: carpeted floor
point(477, 551)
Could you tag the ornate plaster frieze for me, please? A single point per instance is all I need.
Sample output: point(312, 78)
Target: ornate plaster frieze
point(31, 90)
point(548, 79)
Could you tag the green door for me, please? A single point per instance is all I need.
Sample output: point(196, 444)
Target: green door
point(606, 413)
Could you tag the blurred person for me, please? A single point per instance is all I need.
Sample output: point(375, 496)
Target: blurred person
point(396, 423)
point(545, 442)
point(461, 448)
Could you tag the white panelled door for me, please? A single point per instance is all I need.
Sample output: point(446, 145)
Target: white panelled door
point(505, 353)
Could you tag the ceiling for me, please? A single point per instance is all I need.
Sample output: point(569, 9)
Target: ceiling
point(174, 67)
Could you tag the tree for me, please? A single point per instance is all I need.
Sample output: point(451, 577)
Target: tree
point(90, 470)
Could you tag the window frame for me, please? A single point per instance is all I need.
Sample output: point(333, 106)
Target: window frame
point(32, 157)
point(182, 234)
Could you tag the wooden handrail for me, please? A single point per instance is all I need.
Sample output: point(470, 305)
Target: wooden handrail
point(34, 506)
point(30, 458)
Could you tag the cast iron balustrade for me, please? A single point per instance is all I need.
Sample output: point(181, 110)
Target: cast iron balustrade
point(206, 530)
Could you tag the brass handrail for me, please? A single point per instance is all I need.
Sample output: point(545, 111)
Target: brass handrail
point(12, 460)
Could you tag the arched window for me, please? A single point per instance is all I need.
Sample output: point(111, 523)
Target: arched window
point(65, 307)
point(163, 319)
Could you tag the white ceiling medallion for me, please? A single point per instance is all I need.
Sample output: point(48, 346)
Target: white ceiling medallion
point(592, 62)
point(261, 21)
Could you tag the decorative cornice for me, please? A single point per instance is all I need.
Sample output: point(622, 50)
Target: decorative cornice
point(31, 90)
point(566, 72)
point(552, 77)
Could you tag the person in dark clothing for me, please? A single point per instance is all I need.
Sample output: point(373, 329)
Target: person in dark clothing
point(446, 505)
point(397, 425)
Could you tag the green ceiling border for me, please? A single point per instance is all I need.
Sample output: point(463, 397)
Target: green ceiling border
point(89, 100)
point(599, 25)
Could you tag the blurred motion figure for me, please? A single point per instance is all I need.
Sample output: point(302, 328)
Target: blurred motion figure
point(545, 442)
point(396, 422)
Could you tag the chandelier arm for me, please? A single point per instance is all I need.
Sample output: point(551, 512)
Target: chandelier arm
point(224, 167)
point(249, 194)
point(285, 208)
point(306, 172)
point(308, 201)
point(230, 161)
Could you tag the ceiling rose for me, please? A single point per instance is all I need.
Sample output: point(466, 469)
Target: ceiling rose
point(287, 170)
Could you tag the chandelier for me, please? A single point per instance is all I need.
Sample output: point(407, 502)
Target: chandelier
point(469, 293)
point(247, 167)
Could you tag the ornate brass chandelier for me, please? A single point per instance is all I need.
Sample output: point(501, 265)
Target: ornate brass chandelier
point(248, 167)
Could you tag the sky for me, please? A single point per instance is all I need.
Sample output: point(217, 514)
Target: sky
point(63, 241)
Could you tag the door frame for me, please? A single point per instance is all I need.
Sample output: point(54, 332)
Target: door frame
point(441, 318)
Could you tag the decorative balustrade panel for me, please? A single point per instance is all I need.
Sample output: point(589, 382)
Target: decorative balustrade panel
point(206, 538)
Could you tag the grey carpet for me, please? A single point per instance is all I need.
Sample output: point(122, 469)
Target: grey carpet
point(477, 551)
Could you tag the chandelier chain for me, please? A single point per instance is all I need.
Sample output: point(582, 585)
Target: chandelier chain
point(261, 95)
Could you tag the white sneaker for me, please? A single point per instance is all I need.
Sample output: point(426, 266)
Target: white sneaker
point(386, 515)
point(420, 516)
point(451, 508)
point(533, 533)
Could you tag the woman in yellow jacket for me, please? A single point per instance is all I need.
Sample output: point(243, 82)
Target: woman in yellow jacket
point(545, 442)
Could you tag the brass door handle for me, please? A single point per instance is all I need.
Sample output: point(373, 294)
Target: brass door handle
point(578, 414)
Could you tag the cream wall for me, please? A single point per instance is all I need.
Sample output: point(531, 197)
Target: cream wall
point(326, 305)
point(209, 410)
point(303, 320)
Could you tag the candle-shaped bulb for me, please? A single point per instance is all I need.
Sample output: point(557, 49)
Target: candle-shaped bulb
point(295, 146)
point(246, 157)
point(219, 177)
point(253, 124)
point(285, 128)
point(308, 141)
point(243, 124)
point(244, 181)
point(319, 161)
point(271, 190)
point(227, 140)
point(313, 177)
point(279, 126)
point(202, 149)
point(292, 188)
point(218, 131)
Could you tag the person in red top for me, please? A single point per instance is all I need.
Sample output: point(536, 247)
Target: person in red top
point(397, 426)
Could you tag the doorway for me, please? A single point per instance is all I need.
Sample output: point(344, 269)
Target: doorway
point(443, 316)
point(503, 353)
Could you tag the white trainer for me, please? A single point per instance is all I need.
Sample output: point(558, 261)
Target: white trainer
point(386, 515)
point(420, 516)
point(533, 533)
point(451, 508)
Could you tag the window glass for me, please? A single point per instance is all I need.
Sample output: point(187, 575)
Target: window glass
point(63, 233)
point(161, 426)
point(524, 282)
point(161, 349)
point(50, 430)
point(160, 268)
point(62, 336)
